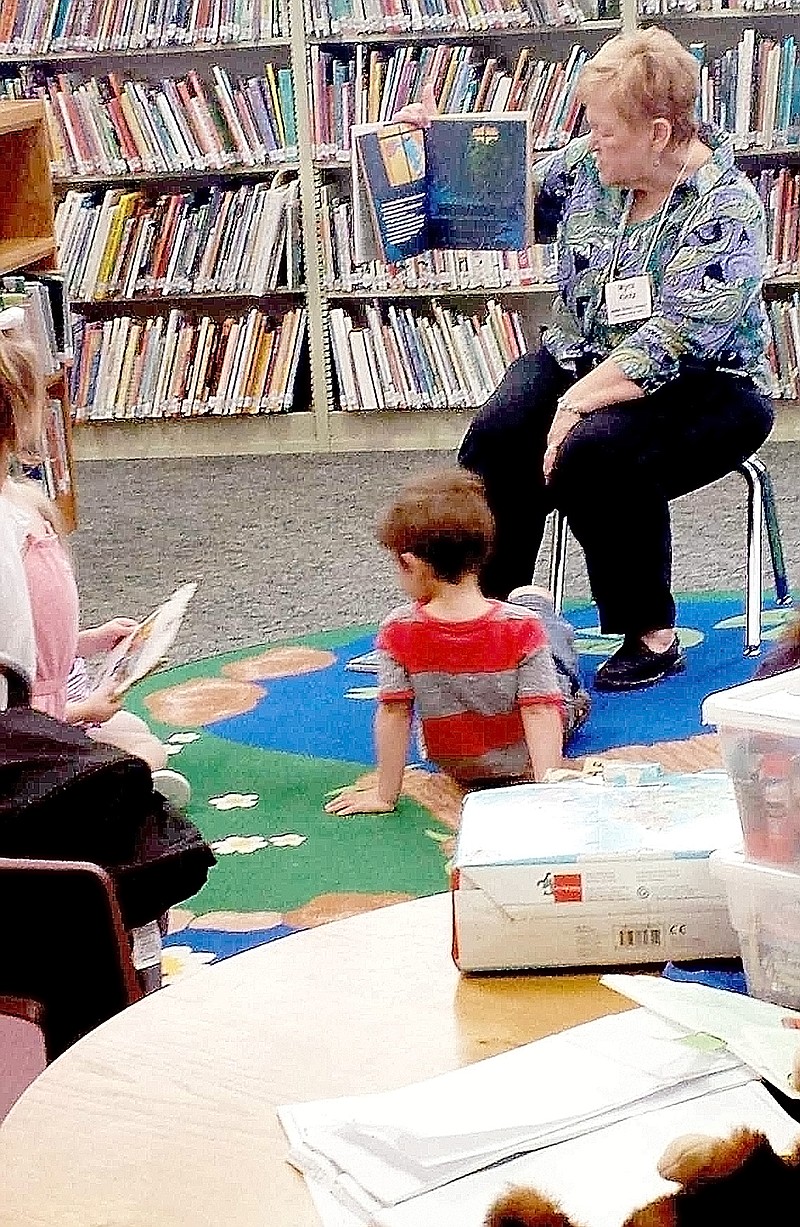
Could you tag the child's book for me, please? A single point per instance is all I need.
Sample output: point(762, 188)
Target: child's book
point(147, 645)
point(464, 183)
point(366, 663)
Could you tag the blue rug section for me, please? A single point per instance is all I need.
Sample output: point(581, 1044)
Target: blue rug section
point(222, 945)
point(328, 714)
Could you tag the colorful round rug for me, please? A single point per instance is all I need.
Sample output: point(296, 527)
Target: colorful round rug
point(265, 734)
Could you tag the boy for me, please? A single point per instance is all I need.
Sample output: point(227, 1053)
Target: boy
point(479, 672)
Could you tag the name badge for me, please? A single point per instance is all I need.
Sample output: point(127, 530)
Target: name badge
point(629, 298)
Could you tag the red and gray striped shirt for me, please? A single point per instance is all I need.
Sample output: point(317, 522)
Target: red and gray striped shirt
point(468, 682)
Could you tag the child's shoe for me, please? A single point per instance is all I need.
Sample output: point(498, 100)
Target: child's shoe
point(173, 787)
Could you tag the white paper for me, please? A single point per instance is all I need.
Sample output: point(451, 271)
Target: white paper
point(375, 1151)
point(600, 1178)
point(754, 1030)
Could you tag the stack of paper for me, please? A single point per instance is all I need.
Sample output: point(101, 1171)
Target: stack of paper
point(602, 1099)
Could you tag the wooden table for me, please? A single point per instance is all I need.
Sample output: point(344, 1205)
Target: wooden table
point(165, 1115)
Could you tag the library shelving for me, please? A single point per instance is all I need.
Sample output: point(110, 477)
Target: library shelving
point(28, 247)
point(345, 61)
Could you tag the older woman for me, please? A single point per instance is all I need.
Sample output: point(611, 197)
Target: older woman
point(651, 380)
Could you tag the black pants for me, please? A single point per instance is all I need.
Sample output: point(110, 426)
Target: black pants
point(614, 477)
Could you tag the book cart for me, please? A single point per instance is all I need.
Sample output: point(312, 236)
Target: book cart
point(320, 345)
point(28, 244)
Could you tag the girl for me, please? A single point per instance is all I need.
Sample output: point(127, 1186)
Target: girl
point(51, 582)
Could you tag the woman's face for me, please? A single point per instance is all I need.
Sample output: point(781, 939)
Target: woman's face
point(625, 153)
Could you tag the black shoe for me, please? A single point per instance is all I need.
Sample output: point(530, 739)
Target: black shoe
point(635, 665)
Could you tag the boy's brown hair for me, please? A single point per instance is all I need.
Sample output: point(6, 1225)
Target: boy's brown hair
point(444, 519)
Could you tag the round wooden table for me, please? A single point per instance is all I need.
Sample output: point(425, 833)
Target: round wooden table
point(165, 1115)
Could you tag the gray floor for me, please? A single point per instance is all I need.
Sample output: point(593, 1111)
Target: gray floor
point(283, 545)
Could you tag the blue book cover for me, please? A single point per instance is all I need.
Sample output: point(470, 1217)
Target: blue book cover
point(391, 159)
point(479, 189)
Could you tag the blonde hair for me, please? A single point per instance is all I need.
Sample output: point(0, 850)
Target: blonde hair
point(646, 75)
point(21, 389)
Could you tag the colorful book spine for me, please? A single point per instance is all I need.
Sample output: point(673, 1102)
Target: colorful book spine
point(355, 17)
point(110, 126)
point(36, 27)
point(347, 90)
point(412, 359)
point(180, 365)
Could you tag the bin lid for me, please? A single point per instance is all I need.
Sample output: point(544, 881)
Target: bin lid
point(686, 816)
point(771, 705)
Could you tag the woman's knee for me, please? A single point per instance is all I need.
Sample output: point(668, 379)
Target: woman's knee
point(516, 415)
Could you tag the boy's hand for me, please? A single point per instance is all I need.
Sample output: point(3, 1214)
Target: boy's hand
point(353, 800)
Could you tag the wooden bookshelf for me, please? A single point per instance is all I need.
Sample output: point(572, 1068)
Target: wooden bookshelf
point(27, 234)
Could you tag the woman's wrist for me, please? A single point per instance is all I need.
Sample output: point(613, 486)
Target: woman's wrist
point(569, 404)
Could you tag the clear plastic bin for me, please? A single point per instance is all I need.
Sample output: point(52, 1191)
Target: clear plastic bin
point(764, 906)
point(759, 727)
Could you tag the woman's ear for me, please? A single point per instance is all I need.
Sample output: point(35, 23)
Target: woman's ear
point(662, 134)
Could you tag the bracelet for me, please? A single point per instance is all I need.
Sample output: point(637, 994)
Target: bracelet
point(563, 405)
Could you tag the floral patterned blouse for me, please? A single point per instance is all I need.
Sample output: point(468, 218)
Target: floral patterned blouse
point(707, 268)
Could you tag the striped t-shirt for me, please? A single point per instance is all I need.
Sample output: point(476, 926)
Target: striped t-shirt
point(468, 682)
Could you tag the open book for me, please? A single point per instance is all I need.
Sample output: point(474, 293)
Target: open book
point(144, 649)
point(465, 183)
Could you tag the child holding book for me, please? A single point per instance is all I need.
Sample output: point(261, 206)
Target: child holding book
point(479, 672)
point(52, 590)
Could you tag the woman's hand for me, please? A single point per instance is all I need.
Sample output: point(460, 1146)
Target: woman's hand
point(418, 113)
point(563, 423)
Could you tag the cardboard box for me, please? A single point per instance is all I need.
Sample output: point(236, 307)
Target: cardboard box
point(759, 728)
point(591, 874)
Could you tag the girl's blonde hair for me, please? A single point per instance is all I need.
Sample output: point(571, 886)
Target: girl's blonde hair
point(647, 75)
point(21, 390)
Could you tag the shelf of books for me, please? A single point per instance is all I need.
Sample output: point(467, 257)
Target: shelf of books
point(28, 280)
point(201, 152)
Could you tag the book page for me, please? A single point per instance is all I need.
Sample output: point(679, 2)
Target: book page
point(146, 646)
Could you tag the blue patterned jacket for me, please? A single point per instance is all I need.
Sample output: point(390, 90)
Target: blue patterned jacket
point(707, 269)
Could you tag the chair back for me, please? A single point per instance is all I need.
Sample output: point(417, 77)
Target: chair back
point(23, 1055)
point(63, 945)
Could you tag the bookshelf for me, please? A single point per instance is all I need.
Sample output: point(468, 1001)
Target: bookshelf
point(28, 244)
point(314, 42)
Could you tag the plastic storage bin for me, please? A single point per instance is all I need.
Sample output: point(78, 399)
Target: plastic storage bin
point(759, 726)
point(764, 907)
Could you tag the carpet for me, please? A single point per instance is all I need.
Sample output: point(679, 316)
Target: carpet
point(265, 733)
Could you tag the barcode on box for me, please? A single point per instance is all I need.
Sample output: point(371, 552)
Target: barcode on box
point(628, 939)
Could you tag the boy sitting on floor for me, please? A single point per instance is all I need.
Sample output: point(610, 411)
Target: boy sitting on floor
point(479, 672)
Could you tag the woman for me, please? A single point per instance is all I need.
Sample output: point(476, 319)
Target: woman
point(652, 379)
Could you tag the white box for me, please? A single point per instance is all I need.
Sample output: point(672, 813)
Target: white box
point(764, 905)
point(759, 728)
point(591, 874)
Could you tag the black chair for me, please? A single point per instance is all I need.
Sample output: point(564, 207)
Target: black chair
point(760, 511)
point(63, 946)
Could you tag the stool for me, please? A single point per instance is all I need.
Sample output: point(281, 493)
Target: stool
point(760, 510)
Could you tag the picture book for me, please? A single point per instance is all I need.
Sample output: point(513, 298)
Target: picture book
point(141, 652)
point(463, 183)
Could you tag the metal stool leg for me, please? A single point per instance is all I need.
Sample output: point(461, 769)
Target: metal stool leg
point(558, 558)
point(782, 594)
point(752, 598)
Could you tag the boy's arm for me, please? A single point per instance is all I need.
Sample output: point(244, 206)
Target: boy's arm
point(392, 732)
point(544, 735)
